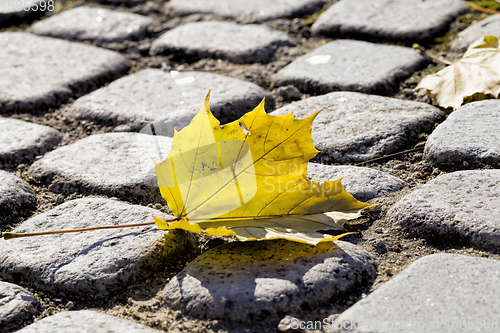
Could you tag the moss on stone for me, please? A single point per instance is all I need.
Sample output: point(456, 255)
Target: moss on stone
point(416, 77)
point(308, 21)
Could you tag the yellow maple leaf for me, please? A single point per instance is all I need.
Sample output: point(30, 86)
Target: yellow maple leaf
point(248, 179)
point(474, 77)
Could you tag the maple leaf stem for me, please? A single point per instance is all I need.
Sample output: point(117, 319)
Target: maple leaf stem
point(482, 9)
point(430, 55)
point(9, 235)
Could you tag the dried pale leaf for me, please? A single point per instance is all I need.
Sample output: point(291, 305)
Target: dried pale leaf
point(248, 179)
point(474, 77)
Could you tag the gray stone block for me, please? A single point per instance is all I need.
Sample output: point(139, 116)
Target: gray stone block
point(442, 292)
point(89, 264)
point(259, 281)
point(462, 204)
point(469, 134)
point(120, 2)
point(150, 94)
point(167, 124)
point(488, 26)
point(94, 24)
point(47, 71)
point(16, 306)
point(354, 127)
point(351, 65)
point(21, 141)
point(16, 197)
point(85, 321)
point(362, 183)
point(112, 164)
point(225, 40)
point(388, 19)
point(256, 10)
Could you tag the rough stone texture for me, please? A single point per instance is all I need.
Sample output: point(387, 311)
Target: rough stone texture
point(113, 164)
point(16, 305)
point(175, 120)
point(225, 40)
point(16, 197)
point(488, 26)
point(142, 97)
point(351, 65)
point(362, 183)
point(259, 281)
point(47, 71)
point(94, 24)
point(388, 19)
point(462, 204)
point(355, 127)
point(15, 9)
point(256, 10)
point(21, 141)
point(438, 293)
point(88, 264)
point(120, 2)
point(85, 321)
point(470, 134)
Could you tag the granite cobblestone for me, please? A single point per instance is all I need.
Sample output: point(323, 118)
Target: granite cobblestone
point(94, 24)
point(48, 71)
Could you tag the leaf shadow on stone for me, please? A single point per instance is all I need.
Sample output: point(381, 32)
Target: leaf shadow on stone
point(264, 281)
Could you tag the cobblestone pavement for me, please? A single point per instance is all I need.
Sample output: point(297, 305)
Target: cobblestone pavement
point(81, 81)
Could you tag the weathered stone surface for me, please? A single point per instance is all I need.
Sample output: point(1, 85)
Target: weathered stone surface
point(225, 40)
point(256, 10)
point(362, 183)
point(94, 24)
point(388, 19)
point(88, 264)
point(175, 120)
point(85, 321)
point(16, 197)
point(488, 26)
point(438, 293)
point(47, 71)
point(16, 305)
point(120, 2)
point(355, 127)
point(15, 9)
point(470, 134)
point(21, 141)
point(351, 65)
point(258, 281)
point(462, 204)
point(150, 94)
point(113, 164)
